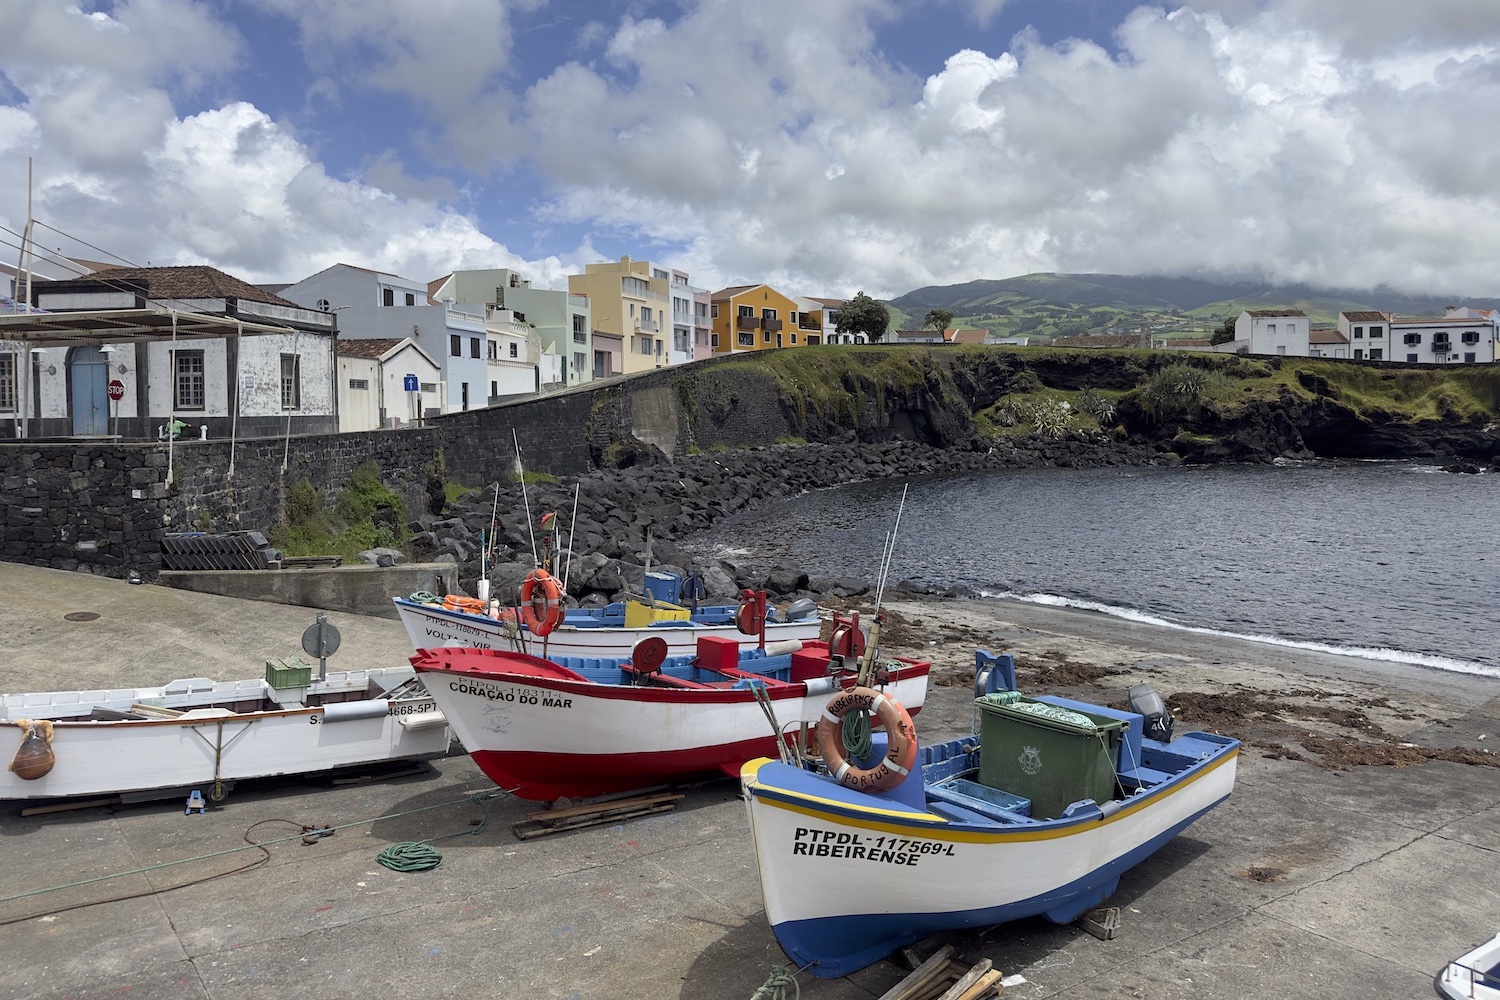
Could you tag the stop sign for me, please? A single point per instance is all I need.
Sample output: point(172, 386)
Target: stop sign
point(116, 389)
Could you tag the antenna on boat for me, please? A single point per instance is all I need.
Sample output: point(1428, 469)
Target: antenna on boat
point(866, 667)
point(521, 473)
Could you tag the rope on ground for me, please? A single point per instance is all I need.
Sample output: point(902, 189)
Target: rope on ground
point(304, 832)
point(418, 856)
point(776, 983)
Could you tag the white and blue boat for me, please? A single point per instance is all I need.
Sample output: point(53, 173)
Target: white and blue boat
point(1038, 813)
point(1473, 976)
point(612, 630)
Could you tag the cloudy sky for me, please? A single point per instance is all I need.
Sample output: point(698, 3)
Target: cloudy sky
point(826, 146)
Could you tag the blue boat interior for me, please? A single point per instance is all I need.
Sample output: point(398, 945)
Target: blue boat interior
point(951, 788)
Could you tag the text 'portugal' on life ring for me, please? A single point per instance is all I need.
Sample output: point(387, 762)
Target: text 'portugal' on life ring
point(901, 750)
point(541, 604)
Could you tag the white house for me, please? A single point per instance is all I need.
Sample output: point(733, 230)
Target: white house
point(1441, 340)
point(385, 383)
point(1367, 334)
point(561, 321)
point(681, 346)
point(1270, 331)
point(376, 305)
point(515, 356)
point(1327, 343)
point(128, 351)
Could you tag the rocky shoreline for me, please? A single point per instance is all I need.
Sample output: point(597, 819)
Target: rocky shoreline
point(632, 517)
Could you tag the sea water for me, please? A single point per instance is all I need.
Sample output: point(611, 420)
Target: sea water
point(1392, 561)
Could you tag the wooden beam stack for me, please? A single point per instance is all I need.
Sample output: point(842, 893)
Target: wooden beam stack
point(942, 977)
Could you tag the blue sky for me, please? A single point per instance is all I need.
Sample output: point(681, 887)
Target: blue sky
point(827, 146)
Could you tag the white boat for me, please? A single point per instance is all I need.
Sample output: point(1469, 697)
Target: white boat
point(612, 630)
point(1040, 813)
point(201, 734)
point(1474, 975)
point(580, 726)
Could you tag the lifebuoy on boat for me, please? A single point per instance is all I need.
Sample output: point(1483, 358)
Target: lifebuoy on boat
point(458, 602)
point(541, 602)
point(901, 749)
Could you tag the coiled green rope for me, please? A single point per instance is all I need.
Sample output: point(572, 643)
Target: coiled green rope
point(410, 857)
point(425, 597)
point(417, 856)
point(856, 732)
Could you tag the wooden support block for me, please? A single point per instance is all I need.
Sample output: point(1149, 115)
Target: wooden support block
point(69, 806)
point(553, 815)
point(924, 974)
point(968, 979)
point(1102, 923)
point(986, 985)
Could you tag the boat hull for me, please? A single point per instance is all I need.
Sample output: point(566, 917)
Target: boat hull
point(845, 886)
point(210, 747)
point(432, 627)
point(544, 737)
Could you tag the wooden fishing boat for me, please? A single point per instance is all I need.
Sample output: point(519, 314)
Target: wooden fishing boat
point(580, 726)
point(612, 630)
point(1474, 975)
point(202, 734)
point(1039, 813)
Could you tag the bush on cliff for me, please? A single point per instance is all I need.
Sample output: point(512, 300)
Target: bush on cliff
point(366, 514)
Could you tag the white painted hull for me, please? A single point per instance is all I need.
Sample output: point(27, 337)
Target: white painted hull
point(432, 627)
point(845, 886)
point(546, 737)
point(210, 746)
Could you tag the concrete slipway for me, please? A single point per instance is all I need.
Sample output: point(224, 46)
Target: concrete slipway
point(1386, 874)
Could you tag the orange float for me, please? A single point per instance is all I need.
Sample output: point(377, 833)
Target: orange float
point(541, 602)
point(901, 751)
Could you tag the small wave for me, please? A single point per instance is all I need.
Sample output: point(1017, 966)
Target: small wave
point(1381, 653)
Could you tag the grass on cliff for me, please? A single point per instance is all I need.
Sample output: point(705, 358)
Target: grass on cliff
point(365, 514)
point(833, 381)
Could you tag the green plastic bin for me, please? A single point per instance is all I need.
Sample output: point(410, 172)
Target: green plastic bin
point(1050, 755)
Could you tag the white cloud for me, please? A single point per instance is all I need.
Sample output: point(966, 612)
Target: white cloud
point(1341, 142)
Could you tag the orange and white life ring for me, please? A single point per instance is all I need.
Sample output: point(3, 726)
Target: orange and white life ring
point(541, 602)
point(469, 605)
point(901, 750)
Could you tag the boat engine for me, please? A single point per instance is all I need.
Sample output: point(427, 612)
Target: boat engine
point(1144, 699)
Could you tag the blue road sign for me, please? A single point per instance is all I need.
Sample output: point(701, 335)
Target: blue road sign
point(410, 384)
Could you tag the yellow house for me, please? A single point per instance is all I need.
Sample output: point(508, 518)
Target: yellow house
point(632, 300)
point(753, 318)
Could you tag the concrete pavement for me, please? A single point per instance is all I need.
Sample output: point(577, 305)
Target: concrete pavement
point(1306, 884)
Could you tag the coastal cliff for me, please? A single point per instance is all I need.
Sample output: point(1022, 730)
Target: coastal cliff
point(1197, 407)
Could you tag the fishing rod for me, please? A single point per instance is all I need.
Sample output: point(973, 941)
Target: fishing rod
point(526, 502)
point(888, 549)
point(572, 530)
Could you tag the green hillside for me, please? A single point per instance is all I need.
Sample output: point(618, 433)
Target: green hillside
point(1051, 305)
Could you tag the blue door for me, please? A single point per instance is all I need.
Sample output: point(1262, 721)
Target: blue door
point(88, 378)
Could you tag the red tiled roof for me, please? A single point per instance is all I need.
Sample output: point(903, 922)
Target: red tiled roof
point(1364, 316)
point(1326, 335)
point(374, 348)
point(1274, 313)
point(970, 336)
point(192, 281)
point(724, 294)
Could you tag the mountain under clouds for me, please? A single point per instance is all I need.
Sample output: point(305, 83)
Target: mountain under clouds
point(826, 147)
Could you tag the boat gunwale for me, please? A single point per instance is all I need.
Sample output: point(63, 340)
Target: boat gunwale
point(776, 689)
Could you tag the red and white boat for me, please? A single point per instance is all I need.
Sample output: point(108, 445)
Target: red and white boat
point(580, 726)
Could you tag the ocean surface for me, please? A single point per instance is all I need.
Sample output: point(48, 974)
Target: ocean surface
point(1391, 561)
